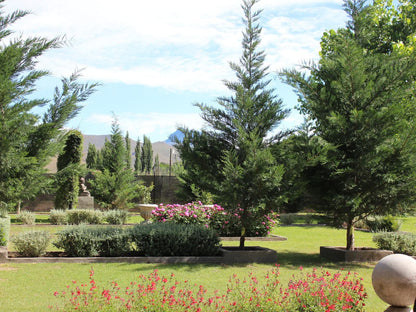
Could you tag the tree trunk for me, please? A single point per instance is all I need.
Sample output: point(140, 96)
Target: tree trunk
point(242, 238)
point(18, 206)
point(350, 235)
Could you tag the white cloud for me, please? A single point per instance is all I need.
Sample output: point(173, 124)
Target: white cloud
point(178, 45)
point(158, 126)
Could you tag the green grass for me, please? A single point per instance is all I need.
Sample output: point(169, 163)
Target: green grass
point(30, 287)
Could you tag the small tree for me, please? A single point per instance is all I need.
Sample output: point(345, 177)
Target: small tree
point(92, 157)
point(128, 151)
point(137, 158)
point(147, 155)
point(67, 177)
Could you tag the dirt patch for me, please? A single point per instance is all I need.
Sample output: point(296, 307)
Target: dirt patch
point(6, 268)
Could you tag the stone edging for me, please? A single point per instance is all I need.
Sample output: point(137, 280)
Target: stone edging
point(260, 255)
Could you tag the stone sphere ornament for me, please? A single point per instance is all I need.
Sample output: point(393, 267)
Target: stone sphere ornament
point(394, 280)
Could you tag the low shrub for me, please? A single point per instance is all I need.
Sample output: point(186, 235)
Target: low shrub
point(288, 218)
point(312, 291)
point(58, 217)
point(26, 217)
point(92, 241)
point(88, 216)
point(404, 243)
point(116, 217)
point(173, 239)
point(383, 223)
point(31, 243)
point(4, 230)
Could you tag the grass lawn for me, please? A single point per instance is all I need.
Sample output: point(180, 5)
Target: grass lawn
point(30, 287)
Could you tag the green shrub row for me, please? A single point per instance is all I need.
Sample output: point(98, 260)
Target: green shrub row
point(87, 216)
point(4, 230)
point(26, 217)
point(158, 239)
point(404, 243)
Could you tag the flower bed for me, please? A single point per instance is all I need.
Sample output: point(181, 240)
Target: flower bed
point(318, 290)
point(225, 223)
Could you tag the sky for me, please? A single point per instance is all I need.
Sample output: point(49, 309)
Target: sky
point(156, 59)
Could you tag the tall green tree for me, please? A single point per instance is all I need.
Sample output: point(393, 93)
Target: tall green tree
point(92, 157)
point(240, 128)
point(67, 176)
point(128, 151)
point(28, 139)
point(137, 158)
point(147, 155)
point(361, 98)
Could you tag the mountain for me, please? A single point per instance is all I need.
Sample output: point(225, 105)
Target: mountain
point(165, 150)
point(178, 134)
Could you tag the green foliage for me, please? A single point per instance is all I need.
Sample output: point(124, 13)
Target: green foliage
point(231, 159)
point(360, 99)
point(404, 243)
point(288, 218)
point(383, 223)
point(31, 243)
point(88, 216)
point(58, 217)
point(172, 239)
point(116, 217)
point(128, 150)
point(137, 158)
point(87, 241)
point(92, 160)
point(146, 155)
point(26, 217)
point(4, 230)
point(29, 139)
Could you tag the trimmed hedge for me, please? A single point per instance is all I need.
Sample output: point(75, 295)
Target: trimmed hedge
point(116, 217)
point(26, 217)
point(92, 241)
point(88, 216)
point(32, 243)
point(4, 230)
point(173, 239)
point(58, 217)
point(404, 243)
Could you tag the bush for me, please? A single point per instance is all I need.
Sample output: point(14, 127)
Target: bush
point(26, 217)
point(87, 241)
point(116, 216)
point(383, 224)
point(32, 243)
point(4, 230)
point(173, 239)
point(88, 216)
point(310, 291)
point(58, 217)
point(225, 223)
point(288, 218)
point(404, 243)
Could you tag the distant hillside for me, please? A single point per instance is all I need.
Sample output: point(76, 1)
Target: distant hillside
point(162, 149)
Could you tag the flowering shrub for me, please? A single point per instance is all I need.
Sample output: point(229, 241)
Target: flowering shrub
point(225, 223)
point(312, 292)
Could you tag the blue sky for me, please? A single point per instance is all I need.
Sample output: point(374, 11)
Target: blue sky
point(155, 59)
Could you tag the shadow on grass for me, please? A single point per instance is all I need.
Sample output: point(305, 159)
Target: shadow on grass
point(285, 258)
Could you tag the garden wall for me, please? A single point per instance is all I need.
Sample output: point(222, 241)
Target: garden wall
point(163, 192)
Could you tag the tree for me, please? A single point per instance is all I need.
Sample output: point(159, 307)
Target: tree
point(360, 97)
point(67, 176)
point(128, 151)
point(115, 186)
point(137, 158)
point(28, 140)
point(247, 176)
point(147, 155)
point(92, 161)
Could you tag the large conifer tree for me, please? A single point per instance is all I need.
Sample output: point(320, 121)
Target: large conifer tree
point(28, 140)
point(244, 174)
point(361, 98)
